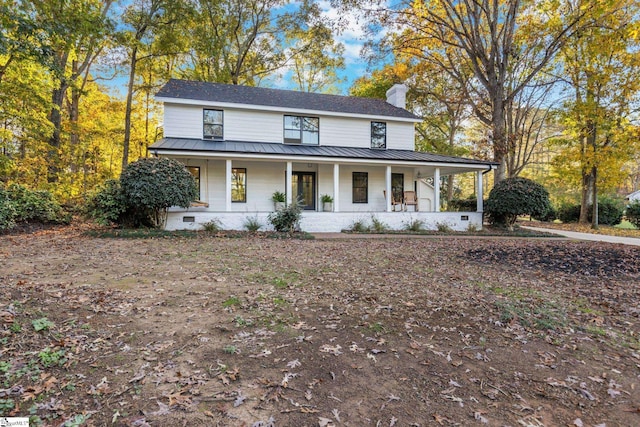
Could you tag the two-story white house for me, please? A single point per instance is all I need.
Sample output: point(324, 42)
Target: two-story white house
point(245, 143)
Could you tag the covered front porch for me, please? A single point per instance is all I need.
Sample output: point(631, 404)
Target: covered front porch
point(238, 179)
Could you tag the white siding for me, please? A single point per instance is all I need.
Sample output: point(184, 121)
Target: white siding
point(185, 121)
point(182, 121)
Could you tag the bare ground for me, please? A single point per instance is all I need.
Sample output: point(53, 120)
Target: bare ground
point(358, 332)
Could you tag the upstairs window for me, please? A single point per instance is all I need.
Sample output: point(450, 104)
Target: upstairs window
point(378, 135)
point(213, 124)
point(301, 130)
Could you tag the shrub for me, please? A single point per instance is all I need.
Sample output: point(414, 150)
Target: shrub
point(213, 226)
point(463, 205)
point(516, 196)
point(609, 212)
point(287, 220)
point(378, 225)
point(151, 185)
point(23, 205)
point(569, 213)
point(633, 214)
point(359, 226)
point(252, 224)
point(415, 225)
point(107, 205)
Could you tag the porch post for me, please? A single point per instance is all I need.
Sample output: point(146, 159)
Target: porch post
point(436, 190)
point(336, 187)
point(479, 195)
point(387, 187)
point(227, 186)
point(289, 183)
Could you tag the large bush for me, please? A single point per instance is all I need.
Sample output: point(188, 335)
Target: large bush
point(516, 196)
point(107, 205)
point(151, 185)
point(633, 213)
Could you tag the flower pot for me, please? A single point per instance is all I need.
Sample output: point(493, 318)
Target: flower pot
point(327, 207)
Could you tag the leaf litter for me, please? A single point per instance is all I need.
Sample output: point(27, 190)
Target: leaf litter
point(444, 331)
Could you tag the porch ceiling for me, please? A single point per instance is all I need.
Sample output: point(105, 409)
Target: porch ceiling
point(423, 162)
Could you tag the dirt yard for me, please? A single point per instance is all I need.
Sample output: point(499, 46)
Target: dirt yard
point(356, 332)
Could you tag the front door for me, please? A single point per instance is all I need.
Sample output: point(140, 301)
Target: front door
point(304, 188)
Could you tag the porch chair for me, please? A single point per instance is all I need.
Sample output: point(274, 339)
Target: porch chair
point(410, 199)
point(394, 202)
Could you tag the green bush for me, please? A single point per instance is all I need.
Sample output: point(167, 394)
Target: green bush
point(569, 213)
point(633, 213)
point(151, 185)
point(107, 205)
point(35, 206)
point(516, 196)
point(463, 205)
point(19, 204)
point(609, 212)
point(287, 220)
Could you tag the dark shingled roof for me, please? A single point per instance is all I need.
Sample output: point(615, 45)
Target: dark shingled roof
point(234, 94)
point(264, 148)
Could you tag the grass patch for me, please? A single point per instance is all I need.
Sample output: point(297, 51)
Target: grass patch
point(231, 301)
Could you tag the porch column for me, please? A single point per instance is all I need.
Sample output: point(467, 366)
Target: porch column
point(336, 187)
point(227, 186)
point(436, 190)
point(479, 195)
point(387, 187)
point(289, 183)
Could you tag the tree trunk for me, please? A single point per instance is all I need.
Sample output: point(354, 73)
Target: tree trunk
point(127, 116)
point(594, 213)
point(55, 141)
point(498, 128)
point(587, 194)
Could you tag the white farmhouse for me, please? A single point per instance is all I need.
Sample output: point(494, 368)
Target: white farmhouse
point(245, 143)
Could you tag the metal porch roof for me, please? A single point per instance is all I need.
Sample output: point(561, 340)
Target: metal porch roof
point(168, 145)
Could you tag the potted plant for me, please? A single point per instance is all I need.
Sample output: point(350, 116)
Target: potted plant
point(279, 199)
point(327, 202)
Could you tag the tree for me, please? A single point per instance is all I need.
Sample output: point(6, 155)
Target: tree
point(505, 43)
point(151, 32)
point(241, 41)
point(76, 35)
point(603, 77)
point(314, 66)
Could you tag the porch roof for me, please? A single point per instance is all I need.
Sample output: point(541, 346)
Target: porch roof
point(203, 147)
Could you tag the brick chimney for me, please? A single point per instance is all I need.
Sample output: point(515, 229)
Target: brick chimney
point(397, 95)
